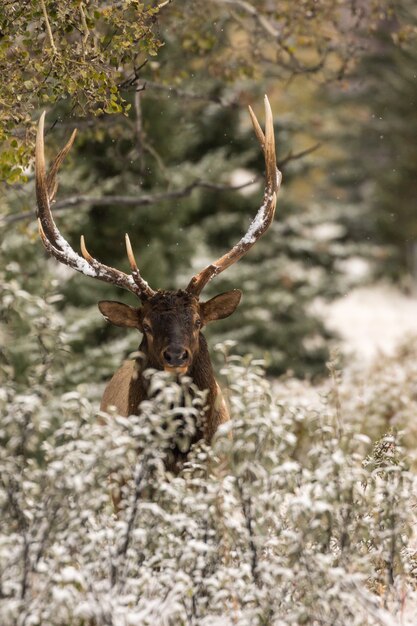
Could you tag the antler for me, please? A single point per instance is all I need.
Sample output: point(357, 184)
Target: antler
point(265, 214)
point(54, 242)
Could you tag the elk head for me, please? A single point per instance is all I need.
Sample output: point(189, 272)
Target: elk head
point(170, 321)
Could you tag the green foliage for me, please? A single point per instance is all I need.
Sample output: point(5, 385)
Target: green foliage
point(87, 54)
point(65, 51)
point(229, 40)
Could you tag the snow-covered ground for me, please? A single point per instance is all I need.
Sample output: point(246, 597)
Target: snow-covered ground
point(373, 320)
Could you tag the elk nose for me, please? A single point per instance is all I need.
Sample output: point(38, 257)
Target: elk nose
point(176, 356)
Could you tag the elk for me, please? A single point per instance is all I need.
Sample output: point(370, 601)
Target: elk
point(171, 322)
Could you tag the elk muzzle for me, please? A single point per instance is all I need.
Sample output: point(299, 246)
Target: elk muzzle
point(176, 358)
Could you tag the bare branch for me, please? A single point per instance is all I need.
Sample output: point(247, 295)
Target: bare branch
point(143, 200)
point(140, 139)
point(48, 26)
point(266, 25)
point(148, 200)
point(163, 4)
point(84, 24)
point(298, 155)
point(151, 86)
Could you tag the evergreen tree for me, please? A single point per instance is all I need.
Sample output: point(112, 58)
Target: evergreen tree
point(376, 170)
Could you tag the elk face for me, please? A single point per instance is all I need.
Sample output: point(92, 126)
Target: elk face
point(171, 322)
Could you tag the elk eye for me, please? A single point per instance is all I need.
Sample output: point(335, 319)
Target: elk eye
point(146, 328)
point(198, 324)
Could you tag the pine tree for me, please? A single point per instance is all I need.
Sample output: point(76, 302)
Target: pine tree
point(377, 167)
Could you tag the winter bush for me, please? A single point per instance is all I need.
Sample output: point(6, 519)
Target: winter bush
point(294, 516)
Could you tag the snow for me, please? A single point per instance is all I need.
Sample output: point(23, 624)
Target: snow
point(327, 231)
point(256, 224)
point(80, 264)
point(373, 320)
point(260, 218)
point(356, 268)
point(242, 176)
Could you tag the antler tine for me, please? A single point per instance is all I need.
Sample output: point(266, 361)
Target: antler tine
point(130, 255)
point(258, 130)
point(142, 284)
point(52, 180)
point(90, 259)
point(54, 242)
point(42, 192)
point(265, 214)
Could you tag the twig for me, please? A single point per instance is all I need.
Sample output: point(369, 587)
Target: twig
point(369, 603)
point(298, 155)
point(123, 548)
point(246, 508)
point(84, 24)
point(22, 525)
point(131, 80)
point(139, 129)
point(155, 154)
point(48, 26)
point(269, 28)
point(188, 95)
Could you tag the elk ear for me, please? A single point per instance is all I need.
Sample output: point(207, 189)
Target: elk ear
point(220, 306)
point(120, 314)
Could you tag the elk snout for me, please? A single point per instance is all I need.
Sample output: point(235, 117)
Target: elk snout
point(176, 356)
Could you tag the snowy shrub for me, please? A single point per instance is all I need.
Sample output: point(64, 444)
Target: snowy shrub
point(262, 528)
point(382, 397)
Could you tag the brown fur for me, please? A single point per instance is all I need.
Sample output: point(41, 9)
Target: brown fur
point(167, 319)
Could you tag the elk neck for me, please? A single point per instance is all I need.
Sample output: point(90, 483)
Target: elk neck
point(201, 370)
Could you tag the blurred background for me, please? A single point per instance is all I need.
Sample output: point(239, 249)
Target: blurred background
point(165, 151)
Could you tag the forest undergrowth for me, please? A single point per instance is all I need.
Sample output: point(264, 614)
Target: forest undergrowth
point(302, 512)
